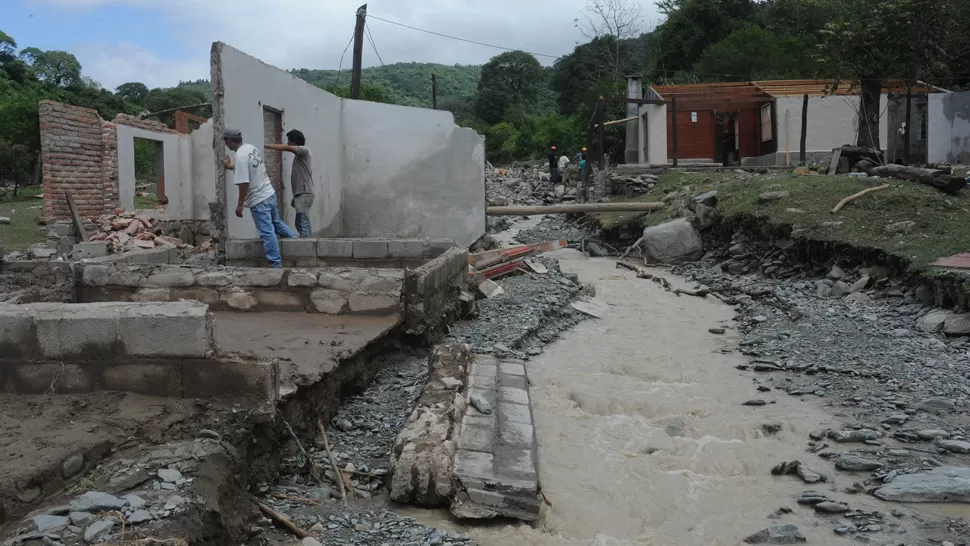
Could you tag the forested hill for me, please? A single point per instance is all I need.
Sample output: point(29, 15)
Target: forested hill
point(407, 83)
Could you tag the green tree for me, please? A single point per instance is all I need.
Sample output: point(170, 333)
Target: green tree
point(133, 92)
point(372, 93)
point(56, 68)
point(691, 27)
point(753, 53)
point(508, 79)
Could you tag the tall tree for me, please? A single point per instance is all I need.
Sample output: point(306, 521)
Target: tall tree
point(608, 25)
point(133, 92)
point(508, 79)
point(56, 68)
point(691, 27)
point(744, 55)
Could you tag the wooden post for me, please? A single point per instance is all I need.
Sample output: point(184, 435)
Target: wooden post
point(434, 92)
point(358, 52)
point(673, 121)
point(601, 137)
point(909, 119)
point(787, 136)
point(801, 146)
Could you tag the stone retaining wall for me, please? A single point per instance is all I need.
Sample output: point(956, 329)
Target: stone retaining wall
point(325, 290)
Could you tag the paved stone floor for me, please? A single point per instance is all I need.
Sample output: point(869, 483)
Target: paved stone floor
point(496, 458)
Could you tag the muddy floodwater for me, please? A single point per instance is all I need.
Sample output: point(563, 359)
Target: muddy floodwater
point(643, 438)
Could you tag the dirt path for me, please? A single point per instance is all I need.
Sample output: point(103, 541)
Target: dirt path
point(644, 438)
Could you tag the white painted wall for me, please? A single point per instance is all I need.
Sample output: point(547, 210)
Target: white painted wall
point(411, 173)
point(948, 128)
point(176, 171)
point(203, 188)
point(653, 134)
point(832, 122)
point(251, 84)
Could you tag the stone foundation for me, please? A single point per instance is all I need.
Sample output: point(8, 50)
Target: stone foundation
point(340, 252)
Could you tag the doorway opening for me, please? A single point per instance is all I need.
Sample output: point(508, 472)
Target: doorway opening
point(149, 174)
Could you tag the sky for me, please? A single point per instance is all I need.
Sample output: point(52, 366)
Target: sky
point(162, 42)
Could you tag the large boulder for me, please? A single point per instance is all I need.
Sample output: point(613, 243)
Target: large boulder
point(942, 484)
point(674, 242)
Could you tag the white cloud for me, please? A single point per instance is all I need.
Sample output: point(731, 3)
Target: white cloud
point(314, 33)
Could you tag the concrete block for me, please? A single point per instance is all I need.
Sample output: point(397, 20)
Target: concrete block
point(77, 331)
point(516, 413)
point(296, 248)
point(171, 277)
point(485, 366)
point(167, 330)
point(155, 256)
point(474, 464)
point(38, 377)
point(516, 434)
point(335, 248)
point(331, 302)
point(17, 339)
point(333, 281)
point(513, 368)
point(126, 276)
point(362, 302)
point(91, 249)
point(391, 273)
point(370, 249)
point(301, 278)
point(244, 249)
point(477, 438)
point(408, 248)
point(513, 381)
point(473, 418)
point(95, 275)
point(516, 396)
point(214, 278)
point(257, 276)
point(232, 377)
point(518, 462)
point(206, 295)
point(155, 379)
point(486, 382)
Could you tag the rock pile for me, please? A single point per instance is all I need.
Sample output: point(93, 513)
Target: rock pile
point(631, 186)
point(128, 231)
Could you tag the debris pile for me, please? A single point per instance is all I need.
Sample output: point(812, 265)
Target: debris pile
point(127, 232)
point(631, 186)
point(527, 184)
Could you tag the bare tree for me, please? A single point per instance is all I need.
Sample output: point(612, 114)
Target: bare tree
point(608, 23)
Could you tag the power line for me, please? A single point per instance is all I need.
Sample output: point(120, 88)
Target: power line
point(461, 39)
point(341, 65)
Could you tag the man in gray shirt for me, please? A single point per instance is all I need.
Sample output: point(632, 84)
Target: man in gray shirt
point(301, 179)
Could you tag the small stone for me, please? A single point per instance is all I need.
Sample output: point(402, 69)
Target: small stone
point(99, 530)
point(81, 519)
point(898, 419)
point(49, 523)
point(210, 434)
point(451, 382)
point(844, 436)
point(808, 475)
point(168, 486)
point(96, 501)
point(72, 466)
point(830, 507)
point(718, 331)
point(169, 475)
point(777, 534)
point(317, 528)
point(769, 196)
point(756, 402)
point(937, 405)
point(479, 403)
point(173, 502)
point(140, 516)
point(134, 501)
point(759, 319)
point(955, 446)
point(932, 434)
point(343, 425)
point(836, 273)
point(853, 463)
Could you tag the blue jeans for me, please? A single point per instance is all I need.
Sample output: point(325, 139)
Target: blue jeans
point(266, 215)
point(302, 204)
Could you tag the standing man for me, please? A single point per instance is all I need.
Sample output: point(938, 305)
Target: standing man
point(582, 163)
point(553, 166)
point(257, 194)
point(563, 165)
point(301, 179)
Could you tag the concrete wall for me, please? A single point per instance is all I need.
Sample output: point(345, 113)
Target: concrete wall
point(948, 138)
point(380, 170)
point(634, 90)
point(653, 134)
point(832, 122)
point(411, 172)
point(249, 85)
point(175, 175)
point(203, 188)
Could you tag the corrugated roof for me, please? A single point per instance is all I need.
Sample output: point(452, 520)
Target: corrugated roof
point(777, 88)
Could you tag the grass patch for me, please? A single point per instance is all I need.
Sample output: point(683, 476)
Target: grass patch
point(22, 231)
point(938, 221)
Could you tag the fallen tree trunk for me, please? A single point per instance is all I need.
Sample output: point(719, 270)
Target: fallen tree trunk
point(935, 178)
point(583, 207)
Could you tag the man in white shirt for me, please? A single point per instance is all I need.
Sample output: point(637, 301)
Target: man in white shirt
point(257, 194)
point(563, 164)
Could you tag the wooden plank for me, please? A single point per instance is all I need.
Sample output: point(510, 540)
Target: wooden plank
point(78, 222)
point(834, 164)
point(487, 257)
point(617, 121)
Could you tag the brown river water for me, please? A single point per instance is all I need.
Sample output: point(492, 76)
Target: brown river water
point(643, 438)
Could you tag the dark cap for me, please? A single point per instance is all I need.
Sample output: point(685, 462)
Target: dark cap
point(232, 134)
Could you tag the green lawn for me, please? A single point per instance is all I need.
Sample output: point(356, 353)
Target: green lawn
point(939, 221)
point(22, 230)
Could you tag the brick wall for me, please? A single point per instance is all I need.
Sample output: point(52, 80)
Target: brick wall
point(182, 120)
point(79, 152)
point(71, 152)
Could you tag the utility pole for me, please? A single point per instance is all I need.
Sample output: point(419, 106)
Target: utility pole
point(907, 128)
point(358, 52)
point(434, 92)
point(801, 146)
